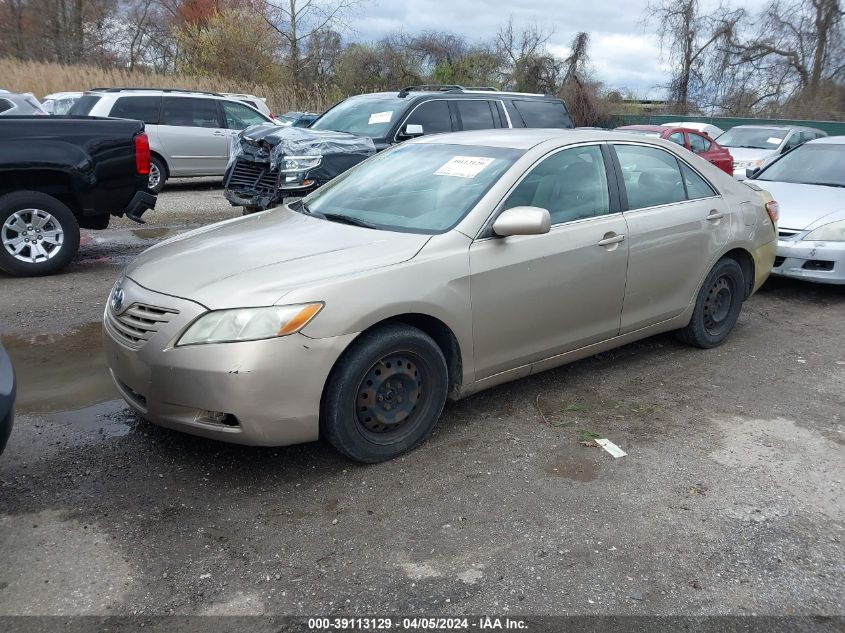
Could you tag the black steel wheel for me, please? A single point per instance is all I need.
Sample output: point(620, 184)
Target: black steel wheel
point(385, 394)
point(717, 306)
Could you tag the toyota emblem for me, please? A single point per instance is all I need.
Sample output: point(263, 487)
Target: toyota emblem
point(117, 299)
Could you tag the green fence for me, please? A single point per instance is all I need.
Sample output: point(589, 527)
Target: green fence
point(834, 128)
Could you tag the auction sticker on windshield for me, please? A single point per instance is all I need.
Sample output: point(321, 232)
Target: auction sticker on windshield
point(774, 140)
point(380, 117)
point(464, 166)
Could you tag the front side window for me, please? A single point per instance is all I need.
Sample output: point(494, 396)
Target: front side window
point(239, 117)
point(433, 116)
point(416, 188)
point(652, 176)
point(190, 112)
point(541, 113)
point(476, 115)
point(698, 143)
point(571, 184)
point(144, 109)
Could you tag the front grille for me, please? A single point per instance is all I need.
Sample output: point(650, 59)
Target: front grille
point(137, 324)
point(782, 232)
point(252, 177)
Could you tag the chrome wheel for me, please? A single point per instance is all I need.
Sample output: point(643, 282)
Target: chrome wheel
point(155, 176)
point(32, 236)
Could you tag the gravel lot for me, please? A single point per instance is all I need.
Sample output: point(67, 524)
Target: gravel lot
point(728, 502)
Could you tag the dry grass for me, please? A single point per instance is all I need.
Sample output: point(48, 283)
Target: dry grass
point(42, 78)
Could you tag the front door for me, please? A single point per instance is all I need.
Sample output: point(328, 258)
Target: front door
point(536, 296)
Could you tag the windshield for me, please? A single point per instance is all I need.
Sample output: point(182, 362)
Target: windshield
point(754, 138)
point(363, 116)
point(420, 188)
point(813, 164)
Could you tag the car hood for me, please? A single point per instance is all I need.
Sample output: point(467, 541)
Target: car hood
point(257, 259)
point(748, 153)
point(802, 206)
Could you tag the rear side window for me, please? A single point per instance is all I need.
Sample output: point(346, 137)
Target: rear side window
point(698, 143)
point(677, 137)
point(190, 112)
point(537, 113)
point(476, 115)
point(144, 109)
point(696, 186)
point(433, 116)
point(652, 176)
point(84, 105)
point(5, 105)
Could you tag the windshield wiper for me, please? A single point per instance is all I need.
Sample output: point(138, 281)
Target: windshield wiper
point(345, 219)
point(304, 208)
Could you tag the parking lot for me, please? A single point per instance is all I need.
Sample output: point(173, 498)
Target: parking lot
point(728, 501)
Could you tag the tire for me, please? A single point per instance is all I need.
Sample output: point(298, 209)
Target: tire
point(57, 235)
point(717, 306)
point(385, 394)
point(158, 174)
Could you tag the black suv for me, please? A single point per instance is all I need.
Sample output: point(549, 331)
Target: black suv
point(382, 118)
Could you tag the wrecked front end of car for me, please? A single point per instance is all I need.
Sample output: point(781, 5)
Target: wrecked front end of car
point(268, 163)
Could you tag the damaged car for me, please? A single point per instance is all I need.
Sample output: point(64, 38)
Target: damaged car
point(269, 162)
point(343, 135)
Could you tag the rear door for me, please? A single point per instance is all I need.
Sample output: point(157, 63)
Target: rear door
point(677, 223)
point(476, 114)
point(192, 134)
point(539, 113)
point(535, 296)
point(710, 151)
point(141, 108)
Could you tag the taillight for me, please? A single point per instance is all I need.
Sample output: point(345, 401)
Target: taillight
point(773, 209)
point(142, 154)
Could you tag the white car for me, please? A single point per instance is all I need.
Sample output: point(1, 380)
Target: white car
point(189, 131)
point(60, 102)
point(809, 185)
point(752, 146)
point(708, 128)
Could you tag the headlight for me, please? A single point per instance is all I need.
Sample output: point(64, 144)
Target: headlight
point(301, 163)
point(833, 232)
point(249, 324)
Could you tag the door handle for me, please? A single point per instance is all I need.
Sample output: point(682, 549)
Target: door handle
point(715, 215)
point(611, 239)
point(219, 133)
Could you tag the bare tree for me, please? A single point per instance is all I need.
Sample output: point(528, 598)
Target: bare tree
point(527, 65)
point(298, 21)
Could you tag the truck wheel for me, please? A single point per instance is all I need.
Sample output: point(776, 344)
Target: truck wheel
point(158, 175)
point(39, 235)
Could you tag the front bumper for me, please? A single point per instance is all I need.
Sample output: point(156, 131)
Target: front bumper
point(822, 262)
point(264, 393)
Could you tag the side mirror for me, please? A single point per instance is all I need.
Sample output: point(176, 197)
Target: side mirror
point(522, 221)
point(412, 130)
point(750, 172)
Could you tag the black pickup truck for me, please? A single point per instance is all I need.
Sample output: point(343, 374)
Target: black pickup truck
point(58, 174)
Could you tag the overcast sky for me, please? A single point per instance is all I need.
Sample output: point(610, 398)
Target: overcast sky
point(624, 52)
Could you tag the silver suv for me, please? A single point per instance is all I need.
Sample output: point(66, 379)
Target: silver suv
point(189, 131)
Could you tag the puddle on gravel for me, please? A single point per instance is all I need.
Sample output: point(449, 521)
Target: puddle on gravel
point(61, 373)
point(109, 419)
point(139, 236)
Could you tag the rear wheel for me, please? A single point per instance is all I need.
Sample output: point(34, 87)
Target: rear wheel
point(158, 175)
point(385, 394)
point(717, 306)
point(39, 235)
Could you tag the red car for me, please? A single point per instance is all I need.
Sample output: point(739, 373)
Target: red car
point(695, 141)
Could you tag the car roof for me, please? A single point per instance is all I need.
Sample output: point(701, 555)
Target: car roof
point(830, 140)
point(411, 95)
point(526, 138)
point(645, 128)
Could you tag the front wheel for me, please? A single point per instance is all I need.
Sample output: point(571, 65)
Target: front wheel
point(717, 306)
point(385, 394)
point(39, 235)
